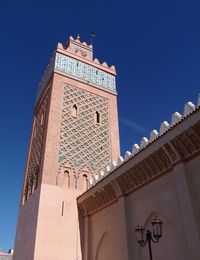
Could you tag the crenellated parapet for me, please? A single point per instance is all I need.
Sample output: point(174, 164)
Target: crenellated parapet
point(155, 135)
point(175, 143)
point(76, 61)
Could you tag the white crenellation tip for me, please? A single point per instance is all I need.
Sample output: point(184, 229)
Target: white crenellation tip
point(176, 117)
point(112, 67)
point(135, 148)
point(113, 165)
point(96, 177)
point(144, 142)
point(59, 45)
point(164, 127)
point(153, 135)
point(108, 168)
point(120, 160)
point(105, 64)
point(101, 174)
point(91, 181)
point(96, 61)
point(127, 155)
point(188, 108)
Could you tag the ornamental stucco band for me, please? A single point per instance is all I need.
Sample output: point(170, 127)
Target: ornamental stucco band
point(84, 71)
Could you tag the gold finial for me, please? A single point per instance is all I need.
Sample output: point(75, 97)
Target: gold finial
point(78, 36)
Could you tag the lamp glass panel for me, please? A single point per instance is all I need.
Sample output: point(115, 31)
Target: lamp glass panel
point(157, 228)
point(139, 232)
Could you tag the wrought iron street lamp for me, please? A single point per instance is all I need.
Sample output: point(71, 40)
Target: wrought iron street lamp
point(157, 234)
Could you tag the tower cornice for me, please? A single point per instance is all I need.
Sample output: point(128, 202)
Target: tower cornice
point(94, 62)
point(76, 62)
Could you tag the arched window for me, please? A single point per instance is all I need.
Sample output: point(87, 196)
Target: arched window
point(66, 179)
point(74, 110)
point(76, 181)
point(97, 117)
point(85, 182)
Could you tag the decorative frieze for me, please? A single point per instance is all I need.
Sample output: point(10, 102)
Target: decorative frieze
point(160, 162)
point(84, 72)
point(79, 70)
point(99, 199)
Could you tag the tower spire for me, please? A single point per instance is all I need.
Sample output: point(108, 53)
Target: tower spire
point(92, 36)
point(78, 36)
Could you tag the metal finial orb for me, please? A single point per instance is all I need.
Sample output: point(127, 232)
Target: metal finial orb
point(92, 35)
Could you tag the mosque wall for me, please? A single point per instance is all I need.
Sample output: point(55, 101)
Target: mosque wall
point(26, 228)
point(161, 180)
point(112, 230)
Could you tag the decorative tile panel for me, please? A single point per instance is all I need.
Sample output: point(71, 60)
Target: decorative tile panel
point(78, 70)
point(82, 140)
point(45, 79)
point(85, 72)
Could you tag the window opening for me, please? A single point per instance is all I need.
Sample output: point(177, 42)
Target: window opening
point(85, 182)
point(63, 204)
point(76, 181)
point(97, 117)
point(74, 110)
point(67, 177)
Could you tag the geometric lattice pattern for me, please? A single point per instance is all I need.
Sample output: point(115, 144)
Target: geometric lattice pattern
point(82, 140)
point(36, 148)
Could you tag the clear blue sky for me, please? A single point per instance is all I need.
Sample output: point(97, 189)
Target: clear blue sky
point(155, 46)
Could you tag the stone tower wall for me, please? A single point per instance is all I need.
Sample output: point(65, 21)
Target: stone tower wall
point(67, 148)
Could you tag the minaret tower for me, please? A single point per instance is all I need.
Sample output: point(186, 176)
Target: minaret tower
point(74, 136)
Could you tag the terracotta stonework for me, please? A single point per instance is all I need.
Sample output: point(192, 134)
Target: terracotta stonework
point(80, 199)
point(75, 135)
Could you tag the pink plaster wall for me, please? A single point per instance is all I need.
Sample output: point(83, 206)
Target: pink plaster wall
point(193, 178)
point(172, 198)
point(57, 234)
point(158, 198)
point(109, 233)
point(26, 228)
point(51, 231)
